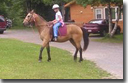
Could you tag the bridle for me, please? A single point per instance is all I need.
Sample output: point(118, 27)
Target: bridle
point(31, 17)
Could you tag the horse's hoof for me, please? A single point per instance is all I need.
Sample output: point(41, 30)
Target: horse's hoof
point(75, 60)
point(80, 60)
point(49, 60)
point(39, 61)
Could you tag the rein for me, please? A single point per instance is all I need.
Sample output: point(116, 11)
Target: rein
point(33, 30)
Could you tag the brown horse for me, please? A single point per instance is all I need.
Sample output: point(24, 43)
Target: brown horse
point(74, 35)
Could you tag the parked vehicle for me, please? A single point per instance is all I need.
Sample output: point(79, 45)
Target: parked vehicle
point(99, 26)
point(3, 24)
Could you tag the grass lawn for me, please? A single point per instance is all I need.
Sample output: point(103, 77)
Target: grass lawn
point(19, 60)
point(115, 39)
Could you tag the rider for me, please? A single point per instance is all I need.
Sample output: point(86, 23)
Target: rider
point(58, 21)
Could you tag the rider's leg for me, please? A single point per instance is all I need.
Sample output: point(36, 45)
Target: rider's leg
point(55, 29)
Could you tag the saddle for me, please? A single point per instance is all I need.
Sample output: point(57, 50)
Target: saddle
point(62, 31)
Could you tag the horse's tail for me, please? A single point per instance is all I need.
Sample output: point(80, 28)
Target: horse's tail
point(85, 38)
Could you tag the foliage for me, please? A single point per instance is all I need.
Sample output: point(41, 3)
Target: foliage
point(13, 10)
point(51, 2)
point(19, 60)
point(16, 10)
point(97, 2)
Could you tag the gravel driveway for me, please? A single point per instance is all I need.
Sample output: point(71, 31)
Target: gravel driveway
point(107, 56)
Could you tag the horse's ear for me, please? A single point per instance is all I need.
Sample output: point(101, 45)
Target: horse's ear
point(32, 12)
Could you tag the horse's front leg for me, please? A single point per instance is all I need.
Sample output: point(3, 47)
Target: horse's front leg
point(40, 55)
point(48, 52)
point(41, 49)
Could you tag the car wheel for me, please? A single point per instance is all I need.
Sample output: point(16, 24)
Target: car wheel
point(103, 33)
point(118, 31)
point(1, 32)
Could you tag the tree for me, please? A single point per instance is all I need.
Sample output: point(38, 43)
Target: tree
point(11, 9)
point(60, 2)
point(16, 10)
point(118, 3)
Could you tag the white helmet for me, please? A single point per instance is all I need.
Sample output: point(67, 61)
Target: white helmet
point(55, 6)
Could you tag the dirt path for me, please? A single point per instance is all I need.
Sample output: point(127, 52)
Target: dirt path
point(107, 56)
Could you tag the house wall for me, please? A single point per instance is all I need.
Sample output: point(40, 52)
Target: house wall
point(84, 15)
point(80, 14)
point(120, 23)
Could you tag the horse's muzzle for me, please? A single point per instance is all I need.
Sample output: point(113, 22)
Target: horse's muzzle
point(25, 23)
point(28, 24)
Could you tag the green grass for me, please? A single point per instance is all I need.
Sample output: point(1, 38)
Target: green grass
point(115, 39)
point(19, 60)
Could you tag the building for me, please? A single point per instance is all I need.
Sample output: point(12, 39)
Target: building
point(83, 15)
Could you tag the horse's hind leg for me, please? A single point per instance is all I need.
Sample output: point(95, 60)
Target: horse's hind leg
point(80, 50)
point(73, 43)
point(75, 55)
point(48, 52)
point(78, 46)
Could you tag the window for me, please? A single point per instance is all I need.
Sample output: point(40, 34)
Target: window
point(114, 11)
point(98, 13)
point(106, 13)
point(120, 14)
point(96, 21)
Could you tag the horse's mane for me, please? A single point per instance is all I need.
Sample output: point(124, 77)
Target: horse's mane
point(42, 18)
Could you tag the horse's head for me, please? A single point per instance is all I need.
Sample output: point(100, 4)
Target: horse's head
point(29, 19)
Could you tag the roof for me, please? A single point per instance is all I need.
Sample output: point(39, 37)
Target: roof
point(70, 3)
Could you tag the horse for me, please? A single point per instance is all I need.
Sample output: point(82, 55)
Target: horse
point(74, 35)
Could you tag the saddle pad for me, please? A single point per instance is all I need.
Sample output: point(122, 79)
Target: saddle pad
point(62, 31)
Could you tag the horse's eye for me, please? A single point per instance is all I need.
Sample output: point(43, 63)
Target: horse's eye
point(28, 16)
